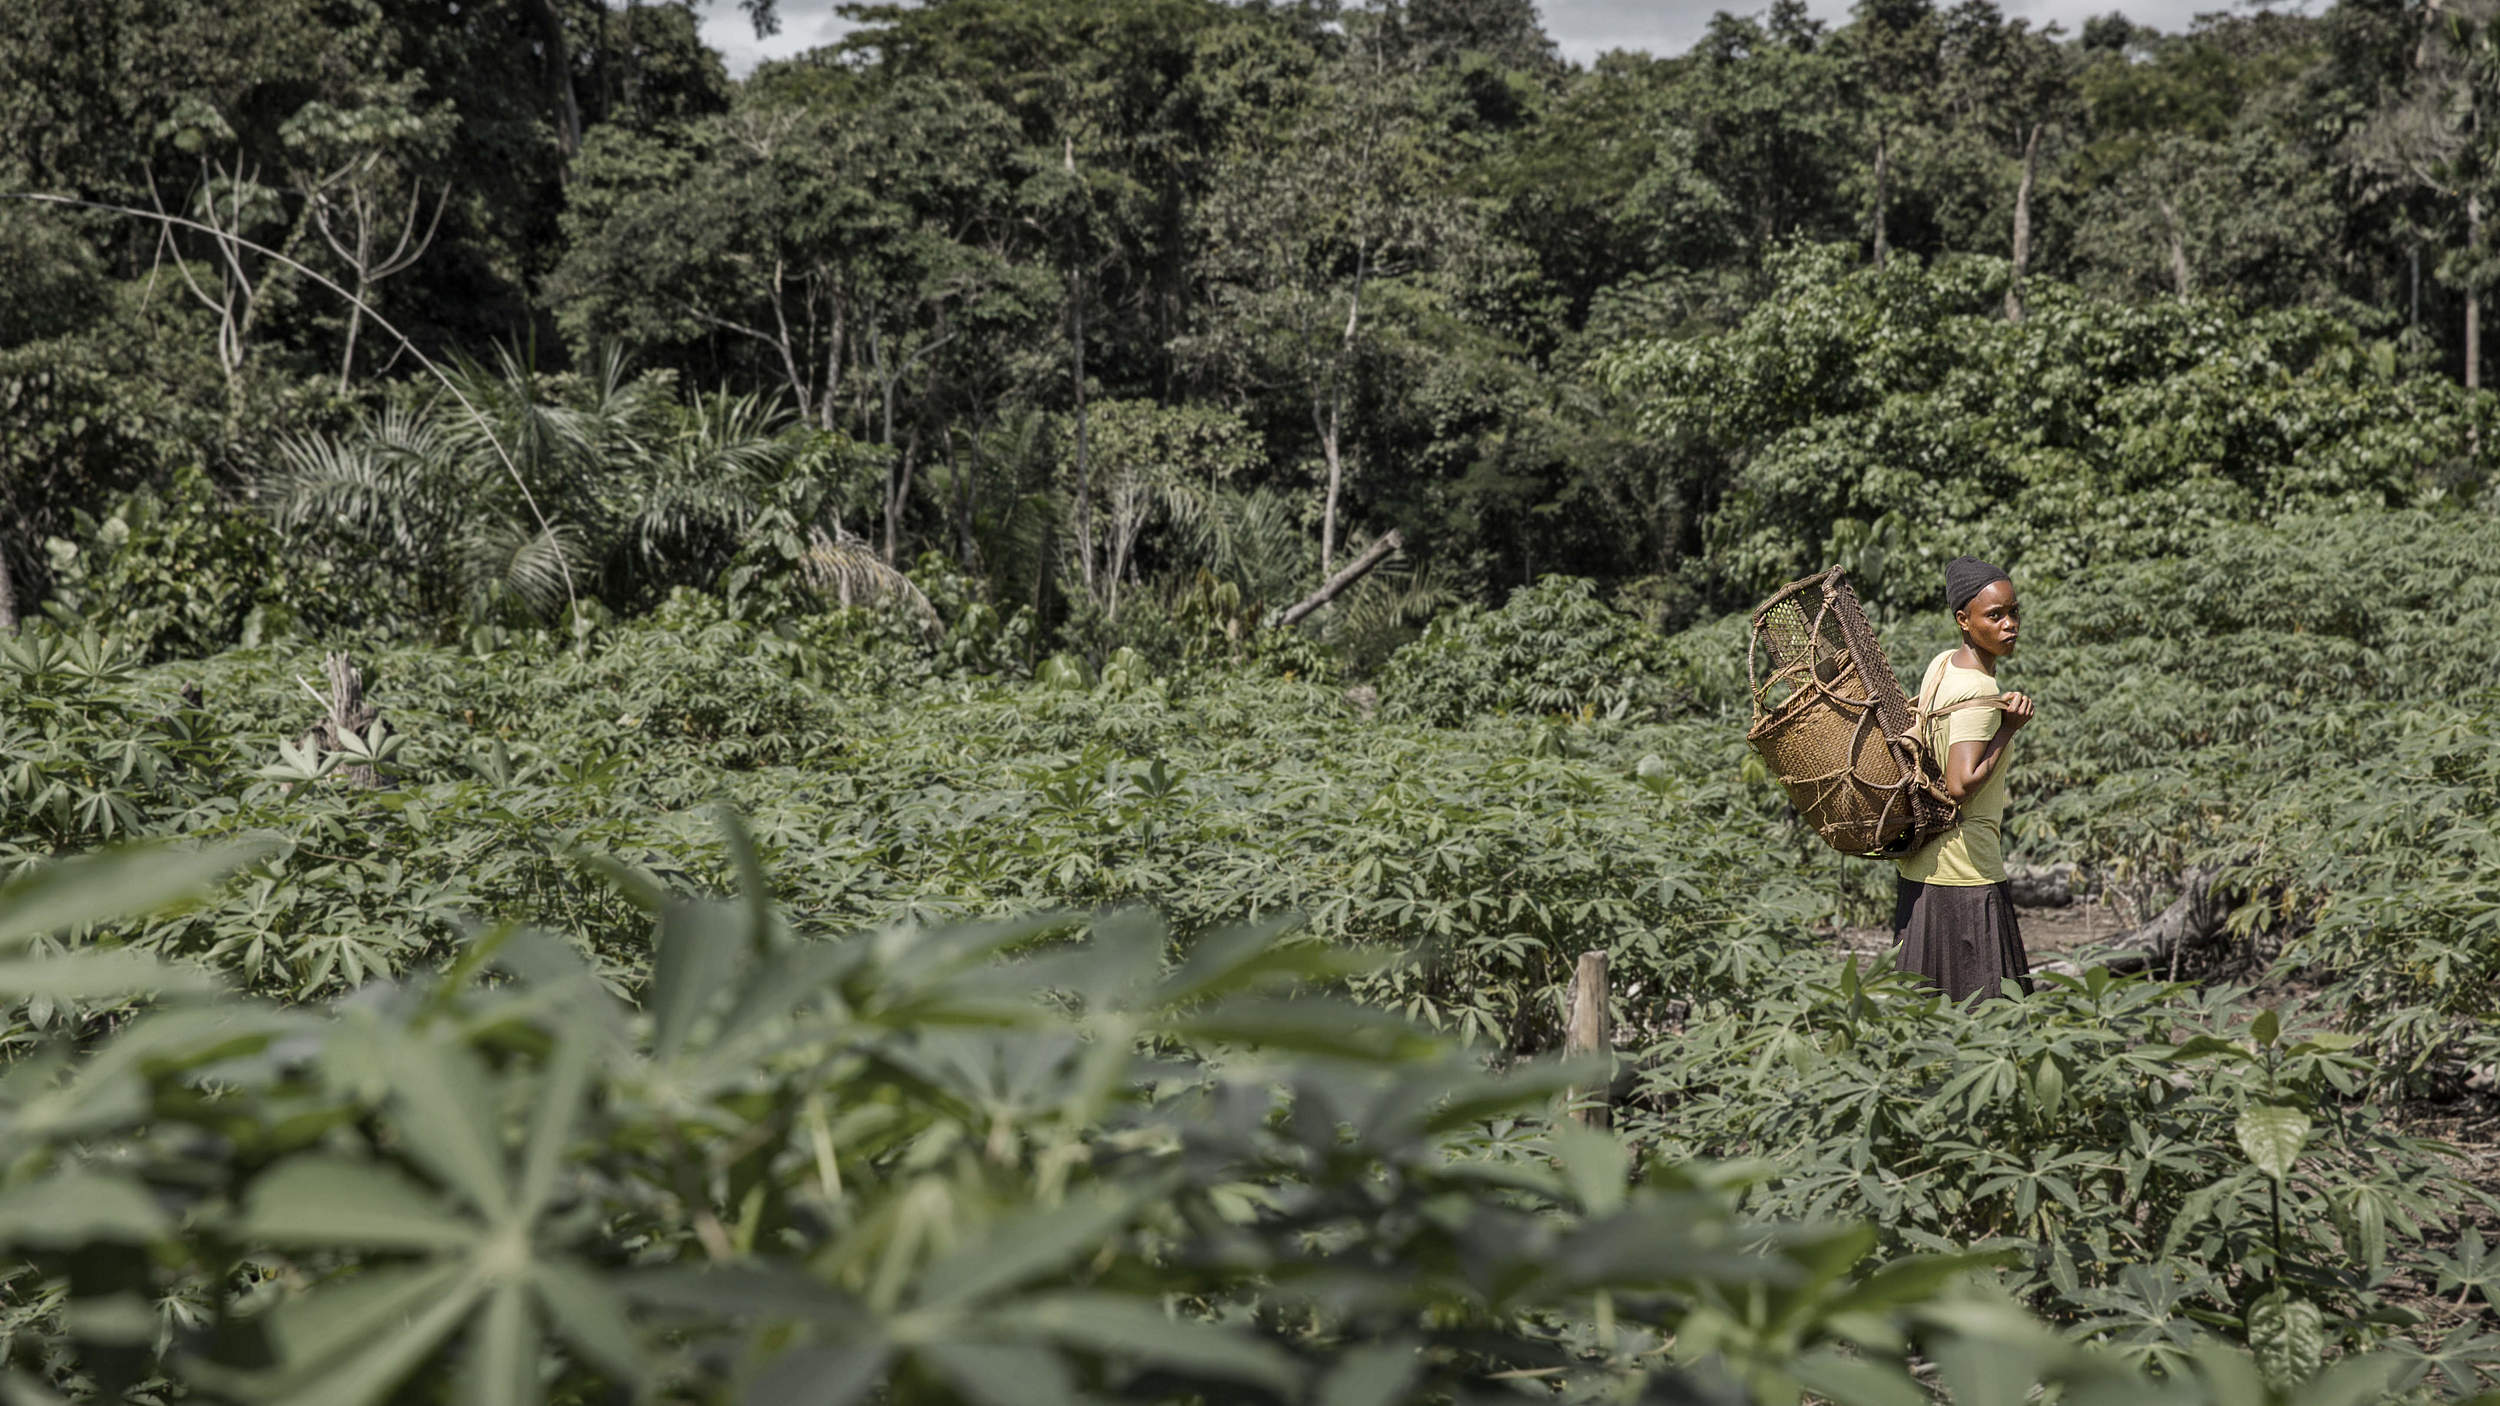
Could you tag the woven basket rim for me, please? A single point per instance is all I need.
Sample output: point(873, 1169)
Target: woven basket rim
point(1839, 642)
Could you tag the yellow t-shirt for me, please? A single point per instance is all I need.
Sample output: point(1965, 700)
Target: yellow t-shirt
point(1973, 852)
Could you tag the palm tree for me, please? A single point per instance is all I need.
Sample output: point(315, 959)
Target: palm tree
point(515, 492)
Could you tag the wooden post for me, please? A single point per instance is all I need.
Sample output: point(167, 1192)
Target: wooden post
point(1589, 1035)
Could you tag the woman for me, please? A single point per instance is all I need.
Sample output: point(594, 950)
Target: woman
point(1952, 911)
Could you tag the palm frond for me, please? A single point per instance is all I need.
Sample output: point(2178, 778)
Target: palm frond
point(1255, 541)
point(849, 570)
point(725, 454)
point(511, 563)
point(1384, 610)
point(391, 482)
point(1012, 538)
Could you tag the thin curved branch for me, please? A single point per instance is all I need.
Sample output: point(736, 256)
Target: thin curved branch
point(571, 596)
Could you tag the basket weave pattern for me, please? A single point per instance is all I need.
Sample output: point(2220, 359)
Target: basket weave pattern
point(1831, 722)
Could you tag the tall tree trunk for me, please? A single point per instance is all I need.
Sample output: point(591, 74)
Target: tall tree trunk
point(1883, 182)
point(602, 70)
point(557, 56)
point(8, 591)
point(2473, 296)
point(963, 468)
point(898, 494)
point(1332, 424)
point(2178, 248)
point(783, 344)
point(355, 323)
point(895, 465)
point(2022, 225)
point(1328, 420)
point(1084, 459)
point(829, 412)
point(633, 54)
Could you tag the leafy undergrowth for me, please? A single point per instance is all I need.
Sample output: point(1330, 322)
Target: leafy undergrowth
point(1011, 1162)
point(1323, 1197)
point(1495, 852)
point(2157, 1162)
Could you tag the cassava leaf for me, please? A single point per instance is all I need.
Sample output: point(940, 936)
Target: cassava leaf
point(128, 882)
point(2272, 1137)
point(329, 1200)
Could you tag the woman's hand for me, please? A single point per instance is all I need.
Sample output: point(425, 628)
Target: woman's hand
point(2018, 709)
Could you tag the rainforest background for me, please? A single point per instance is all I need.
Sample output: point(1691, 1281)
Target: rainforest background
point(648, 749)
point(1090, 299)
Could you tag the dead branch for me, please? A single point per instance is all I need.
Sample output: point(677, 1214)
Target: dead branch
point(2044, 886)
point(1391, 541)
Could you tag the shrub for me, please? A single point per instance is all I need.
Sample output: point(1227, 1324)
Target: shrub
point(2148, 1164)
point(882, 1162)
point(182, 573)
point(2089, 434)
point(1552, 648)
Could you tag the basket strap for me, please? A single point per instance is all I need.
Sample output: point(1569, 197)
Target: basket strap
point(1926, 714)
point(1985, 700)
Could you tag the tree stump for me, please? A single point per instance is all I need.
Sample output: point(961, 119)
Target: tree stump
point(349, 712)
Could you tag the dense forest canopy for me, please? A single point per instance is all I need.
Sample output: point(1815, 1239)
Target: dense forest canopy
point(1095, 299)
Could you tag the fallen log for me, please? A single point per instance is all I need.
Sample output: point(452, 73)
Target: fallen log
point(1390, 541)
point(2194, 919)
point(2044, 886)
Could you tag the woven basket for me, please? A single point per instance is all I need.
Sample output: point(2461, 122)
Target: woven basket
point(1831, 722)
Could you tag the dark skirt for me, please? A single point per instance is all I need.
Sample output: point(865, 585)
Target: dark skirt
point(1963, 938)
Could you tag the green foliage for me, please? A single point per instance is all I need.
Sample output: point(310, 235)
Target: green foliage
point(82, 418)
point(2305, 708)
point(58, 285)
point(93, 758)
point(185, 573)
point(470, 1087)
point(515, 495)
point(880, 1158)
point(1447, 874)
point(1553, 648)
point(2084, 436)
point(2116, 1135)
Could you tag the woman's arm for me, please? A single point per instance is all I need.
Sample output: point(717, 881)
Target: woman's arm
point(1969, 765)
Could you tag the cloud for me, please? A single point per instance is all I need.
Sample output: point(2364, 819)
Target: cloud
point(1586, 28)
point(1583, 28)
point(805, 25)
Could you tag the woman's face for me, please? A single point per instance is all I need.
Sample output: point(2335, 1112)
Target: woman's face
point(1993, 620)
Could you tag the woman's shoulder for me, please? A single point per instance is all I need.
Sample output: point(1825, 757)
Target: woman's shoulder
point(1955, 683)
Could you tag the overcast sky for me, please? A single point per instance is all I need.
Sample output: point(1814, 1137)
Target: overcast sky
point(1584, 28)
